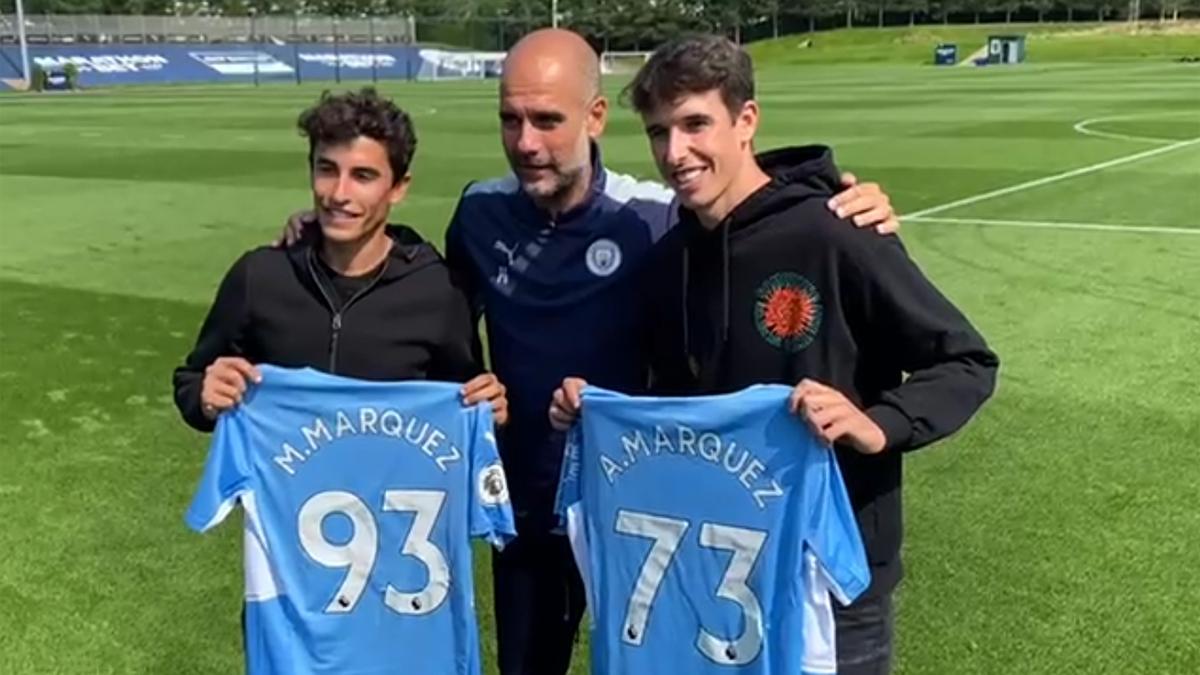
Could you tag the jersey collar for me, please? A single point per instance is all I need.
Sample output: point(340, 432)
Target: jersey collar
point(595, 190)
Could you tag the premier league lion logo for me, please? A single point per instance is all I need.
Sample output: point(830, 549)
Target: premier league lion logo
point(493, 487)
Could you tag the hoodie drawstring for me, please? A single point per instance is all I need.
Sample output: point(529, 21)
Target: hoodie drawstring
point(687, 328)
point(725, 264)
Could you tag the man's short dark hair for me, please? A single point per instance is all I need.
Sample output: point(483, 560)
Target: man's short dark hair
point(344, 117)
point(693, 64)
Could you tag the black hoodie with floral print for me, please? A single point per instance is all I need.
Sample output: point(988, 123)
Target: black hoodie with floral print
point(782, 290)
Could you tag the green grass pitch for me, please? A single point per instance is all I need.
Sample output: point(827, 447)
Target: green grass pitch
point(1059, 534)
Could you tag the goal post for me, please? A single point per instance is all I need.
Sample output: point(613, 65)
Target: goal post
point(441, 64)
point(622, 63)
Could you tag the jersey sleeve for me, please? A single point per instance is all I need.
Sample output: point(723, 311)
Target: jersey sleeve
point(568, 507)
point(568, 482)
point(491, 509)
point(831, 532)
point(226, 476)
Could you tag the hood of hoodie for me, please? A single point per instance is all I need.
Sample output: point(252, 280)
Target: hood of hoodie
point(797, 174)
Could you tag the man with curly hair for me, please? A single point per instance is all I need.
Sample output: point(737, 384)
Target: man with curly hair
point(331, 302)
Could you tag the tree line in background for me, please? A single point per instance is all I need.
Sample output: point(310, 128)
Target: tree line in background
point(640, 24)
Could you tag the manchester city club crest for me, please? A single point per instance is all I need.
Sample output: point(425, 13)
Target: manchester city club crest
point(787, 311)
point(493, 488)
point(603, 257)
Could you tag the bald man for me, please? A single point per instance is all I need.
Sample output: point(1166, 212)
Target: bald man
point(547, 254)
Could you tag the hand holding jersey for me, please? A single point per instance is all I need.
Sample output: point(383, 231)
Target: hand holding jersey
point(566, 403)
point(834, 418)
point(224, 384)
point(487, 387)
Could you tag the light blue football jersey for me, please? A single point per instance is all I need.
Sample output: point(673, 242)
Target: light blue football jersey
point(360, 501)
point(713, 533)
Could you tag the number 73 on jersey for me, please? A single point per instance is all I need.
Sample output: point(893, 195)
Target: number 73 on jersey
point(667, 535)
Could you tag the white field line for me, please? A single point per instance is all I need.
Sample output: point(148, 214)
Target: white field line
point(1019, 187)
point(1056, 225)
point(1082, 127)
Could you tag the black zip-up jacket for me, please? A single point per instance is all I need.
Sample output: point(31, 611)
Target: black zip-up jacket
point(277, 306)
point(783, 290)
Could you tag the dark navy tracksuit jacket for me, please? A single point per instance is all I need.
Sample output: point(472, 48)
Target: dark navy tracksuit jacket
point(560, 298)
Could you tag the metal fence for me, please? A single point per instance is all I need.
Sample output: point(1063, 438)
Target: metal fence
point(105, 29)
point(497, 33)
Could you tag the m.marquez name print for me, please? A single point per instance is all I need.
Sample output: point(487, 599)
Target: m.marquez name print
point(415, 432)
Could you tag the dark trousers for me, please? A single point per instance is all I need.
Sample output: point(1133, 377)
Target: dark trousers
point(864, 636)
point(539, 601)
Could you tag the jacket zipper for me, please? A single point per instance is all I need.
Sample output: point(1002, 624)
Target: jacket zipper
point(336, 322)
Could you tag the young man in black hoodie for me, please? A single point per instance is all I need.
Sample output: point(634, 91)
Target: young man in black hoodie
point(356, 298)
point(761, 284)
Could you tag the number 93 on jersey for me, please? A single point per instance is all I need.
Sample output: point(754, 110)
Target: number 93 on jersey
point(339, 531)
